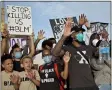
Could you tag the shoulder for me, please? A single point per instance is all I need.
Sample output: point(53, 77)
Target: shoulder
point(68, 47)
point(58, 65)
point(3, 72)
point(15, 72)
point(22, 73)
point(34, 70)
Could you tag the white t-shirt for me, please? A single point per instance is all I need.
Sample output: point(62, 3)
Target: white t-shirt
point(37, 59)
point(25, 83)
point(6, 82)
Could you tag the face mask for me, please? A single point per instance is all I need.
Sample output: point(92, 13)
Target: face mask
point(54, 45)
point(94, 42)
point(79, 37)
point(47, 59)
point(18, 55)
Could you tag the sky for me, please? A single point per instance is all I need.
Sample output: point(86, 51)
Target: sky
point(43, 11)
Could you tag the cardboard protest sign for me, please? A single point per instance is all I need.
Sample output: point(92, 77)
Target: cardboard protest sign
point(97, 27)
point(20, 41)
point(19, 20)
point(57, 26)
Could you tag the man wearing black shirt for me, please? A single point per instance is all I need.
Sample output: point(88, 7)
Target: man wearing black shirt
point(80, 76)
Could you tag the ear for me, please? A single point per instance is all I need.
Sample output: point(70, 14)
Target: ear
point(22, 65)
point(2, 65)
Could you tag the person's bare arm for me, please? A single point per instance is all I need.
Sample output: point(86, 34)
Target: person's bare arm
point(34, 77)
point(4, 42)
point(38, 52)
point(8, 46)
point(96, 66)
point(15, 80)
point(57, 51)
point(36, 82)
point(3, 45)
point(66, 59)
point(31, 46)
point(39, 37)
point(7, 43)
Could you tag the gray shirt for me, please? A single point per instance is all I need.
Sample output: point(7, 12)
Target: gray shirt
point(102, 72)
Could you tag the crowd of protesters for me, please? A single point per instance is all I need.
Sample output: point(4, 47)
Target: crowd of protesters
point(68, 64)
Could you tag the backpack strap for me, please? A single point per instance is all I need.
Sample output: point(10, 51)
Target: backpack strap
point(72, 47)
point(41, 67)
point(58, 76)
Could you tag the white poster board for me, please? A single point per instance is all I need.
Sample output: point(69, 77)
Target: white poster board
point(19, 20)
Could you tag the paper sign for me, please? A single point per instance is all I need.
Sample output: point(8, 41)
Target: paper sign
point(58, 26)
point(19, 20)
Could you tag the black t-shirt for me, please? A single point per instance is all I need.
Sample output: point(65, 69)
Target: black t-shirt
point(80, 74)
point(17, 66)
point(49, 80)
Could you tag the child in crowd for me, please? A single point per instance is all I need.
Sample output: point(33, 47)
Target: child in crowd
point(17, 54)
point(29, 78)
point(51, 73)
point(9, 76)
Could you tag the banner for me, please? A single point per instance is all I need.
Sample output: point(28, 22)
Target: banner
point(96, 27)
point(19, 20)
point(57, 26)
point(20, 41)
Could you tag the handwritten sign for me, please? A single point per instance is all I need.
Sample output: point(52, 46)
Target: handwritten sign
point(96, 27)
point(19, 20)
point(21, 41)
point(57, 26)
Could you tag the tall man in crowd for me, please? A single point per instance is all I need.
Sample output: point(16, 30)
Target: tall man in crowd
point(80, 76)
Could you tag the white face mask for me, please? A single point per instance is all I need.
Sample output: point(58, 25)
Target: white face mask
point(94, 42)
point(54, 45)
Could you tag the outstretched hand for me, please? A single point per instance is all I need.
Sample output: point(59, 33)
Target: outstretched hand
point(84, 21)
point(31, 75)
point(68, 26)
point(5, 34)
point(81, 19)
point(41, 35)
point(67, 57)
point(14, 78)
